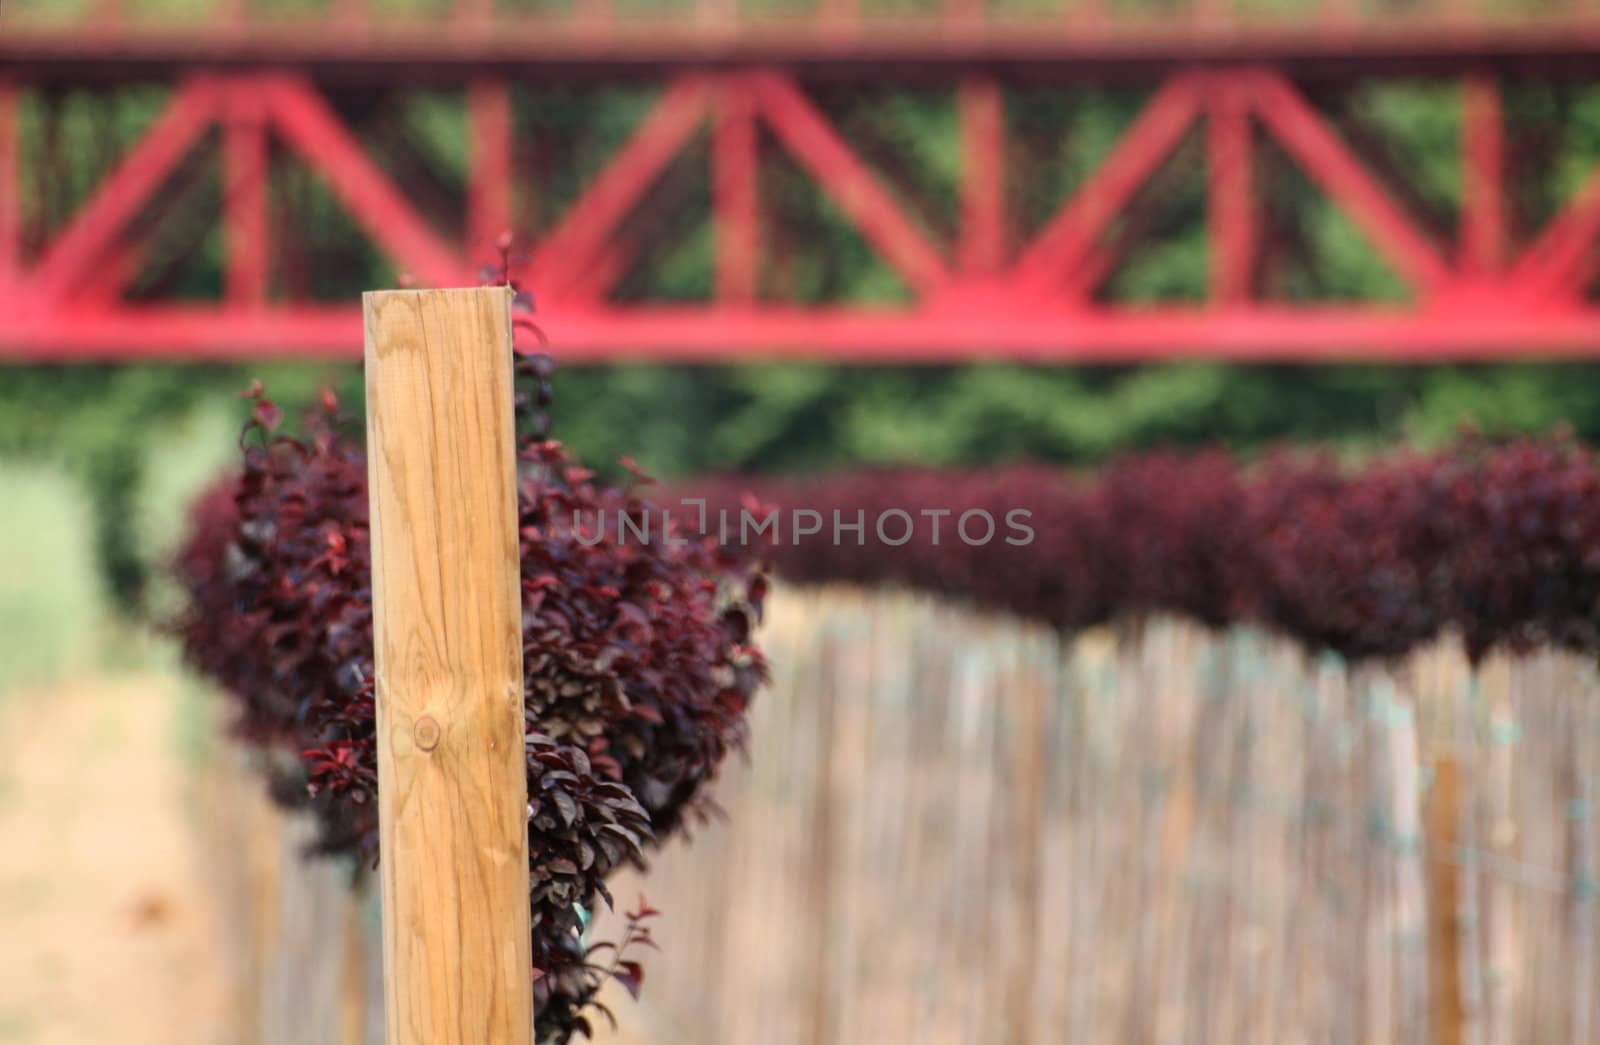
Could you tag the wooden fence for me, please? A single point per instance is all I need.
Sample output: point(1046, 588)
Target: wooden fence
point(957, 828)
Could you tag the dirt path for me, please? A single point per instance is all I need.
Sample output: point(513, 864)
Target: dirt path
point(107, 939)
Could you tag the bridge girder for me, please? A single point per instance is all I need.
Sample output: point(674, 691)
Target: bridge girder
point(983, 290)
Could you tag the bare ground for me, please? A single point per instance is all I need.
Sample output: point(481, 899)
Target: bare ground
point(108, 936)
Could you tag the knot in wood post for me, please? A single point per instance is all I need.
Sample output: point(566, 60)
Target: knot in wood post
point(426, 732)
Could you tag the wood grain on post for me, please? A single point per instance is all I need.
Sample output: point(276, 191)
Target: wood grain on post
point(447, 609)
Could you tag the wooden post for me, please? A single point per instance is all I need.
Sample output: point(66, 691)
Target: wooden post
point(447, 610)
point(1443, 851)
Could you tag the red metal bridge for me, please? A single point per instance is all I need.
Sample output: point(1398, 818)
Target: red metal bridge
point(740, 98)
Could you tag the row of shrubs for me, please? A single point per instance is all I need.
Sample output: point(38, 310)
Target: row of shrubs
point(1498, 543)
point(638, 666)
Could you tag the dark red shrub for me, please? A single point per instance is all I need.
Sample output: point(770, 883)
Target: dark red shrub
point(1343, 561)
point(638, 662)
point(1175, 543)
point(1501, 544)
point(1523, 545)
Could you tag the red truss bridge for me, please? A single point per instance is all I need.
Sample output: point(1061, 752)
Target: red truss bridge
point(276, 145)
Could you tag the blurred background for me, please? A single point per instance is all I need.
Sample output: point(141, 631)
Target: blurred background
point(765, 236)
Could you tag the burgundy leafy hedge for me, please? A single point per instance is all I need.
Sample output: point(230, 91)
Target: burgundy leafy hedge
point(638, 664)
point(1500, 544)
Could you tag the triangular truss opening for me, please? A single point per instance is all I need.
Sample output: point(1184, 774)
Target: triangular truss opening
point(816, 253)
point(1315, 253)
point(1157, 251)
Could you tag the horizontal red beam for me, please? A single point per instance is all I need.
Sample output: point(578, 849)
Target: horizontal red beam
point(1056, 49)
point(933, 335)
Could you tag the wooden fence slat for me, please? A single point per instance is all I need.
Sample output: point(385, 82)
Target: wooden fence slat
point(1446, 1015)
